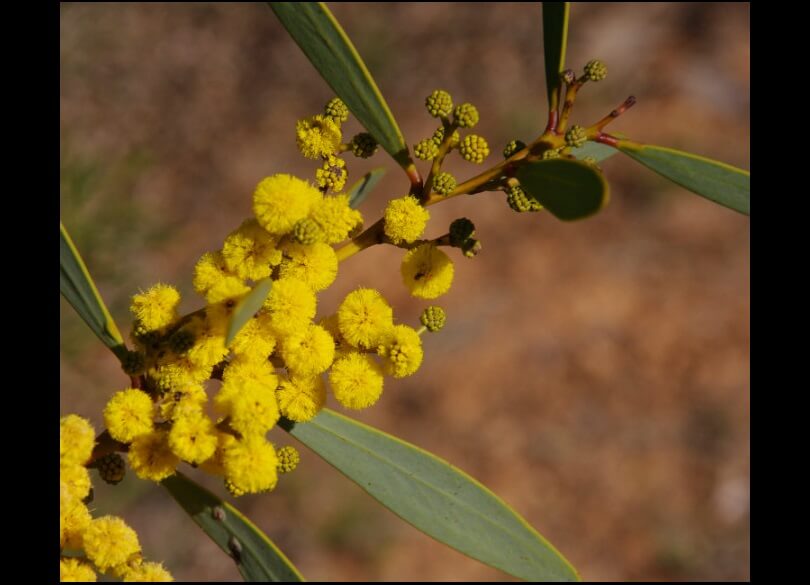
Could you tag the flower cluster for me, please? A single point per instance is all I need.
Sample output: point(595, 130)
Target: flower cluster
point(108, 544)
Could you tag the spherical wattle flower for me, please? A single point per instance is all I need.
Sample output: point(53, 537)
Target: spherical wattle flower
point(427, 272)
point(405, 219)
point(280, 201)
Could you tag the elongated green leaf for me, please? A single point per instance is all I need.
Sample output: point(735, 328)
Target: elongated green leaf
point(247, 307)
point(326, 45)
point(555, 40)
point(361, 189)
point(255, 555)
point(77, 286)
point(597, 150)
point(569, 189)
point(719, 182)
point(432, 495)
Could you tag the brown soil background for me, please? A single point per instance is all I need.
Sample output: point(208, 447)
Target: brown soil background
point(595, 375)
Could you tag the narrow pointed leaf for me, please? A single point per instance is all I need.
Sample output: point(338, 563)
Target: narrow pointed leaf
point(361, 189)
point(555, 40)
point(569, 189)
point(714, 180)
point(77, 286)
point(255, 555)
point(597, 150)
point(248, 307)
point(324, 42)
point(432, 495)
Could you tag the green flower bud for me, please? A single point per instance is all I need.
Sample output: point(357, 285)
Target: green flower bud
point(576, 136)
point(513, 147)
point(307, 231)
point(433, 318)
point(438, 137)
point(518, 200)
point(336, 110)
point(439, 104)
point(471, 248)
point(551, 153)
point(474, 148)
point(595, 70)
point(460, 231)
point(444, 183)
point(425, 149)
point(133, 363)
point(363, 145)
point(332, 175)
point(111, 468)
point(466, 115)
point(288, 459)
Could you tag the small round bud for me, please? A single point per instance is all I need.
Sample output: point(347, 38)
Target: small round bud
point(433, 318)
point(474, 148)
point(307, 231)
point(444, 183)
point(551, 153)
point(438, 137)
point(363, 145)
point(288, 459)
point(425, 149)
point(513, 147)
point(181, 341)
point(336, 110)
point(111, 468)
point(576, 136)
point(133, 363)
point(568, 76)
point(520, 202)
point(595, 70)
point(460, 231)
point(466, 115)
point(439, 104)
point(332, 175)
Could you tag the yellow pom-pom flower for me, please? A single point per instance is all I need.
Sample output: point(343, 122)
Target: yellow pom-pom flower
point(318, 136)
point(229, 288)
point(148, 573)
point(109, 542)
point(356, 380)
point(291, 303)
point(72, 570)
point(181, 400)
point(405, 219)
point(250, 465)
point(156, 307)
point(151, 458)
point(74, 518)
point(255, 341)
point(402, 351)
point(336, 218)
point(280, 201)
point(315, 264)
point(76, 439)
point(192, 437)
point(364, 317)
point(75, 480)
point(250, 252)
point(300, 398)
point(214, 464)
point(128, 414)
point(308, 351)
point(427, 272)
point(209, 271)
point(251, 405)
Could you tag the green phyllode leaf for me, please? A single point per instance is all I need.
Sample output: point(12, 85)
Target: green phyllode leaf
point(714, 180)
point(255, 555)
point(555, 40)
point(324, 42)
point(77, 286)
point(361, 189)
point(432, 495)
point(248, 307)
point(597, 150)
point(569, 189)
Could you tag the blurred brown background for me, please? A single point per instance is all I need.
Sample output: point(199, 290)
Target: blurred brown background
point(595, 375)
